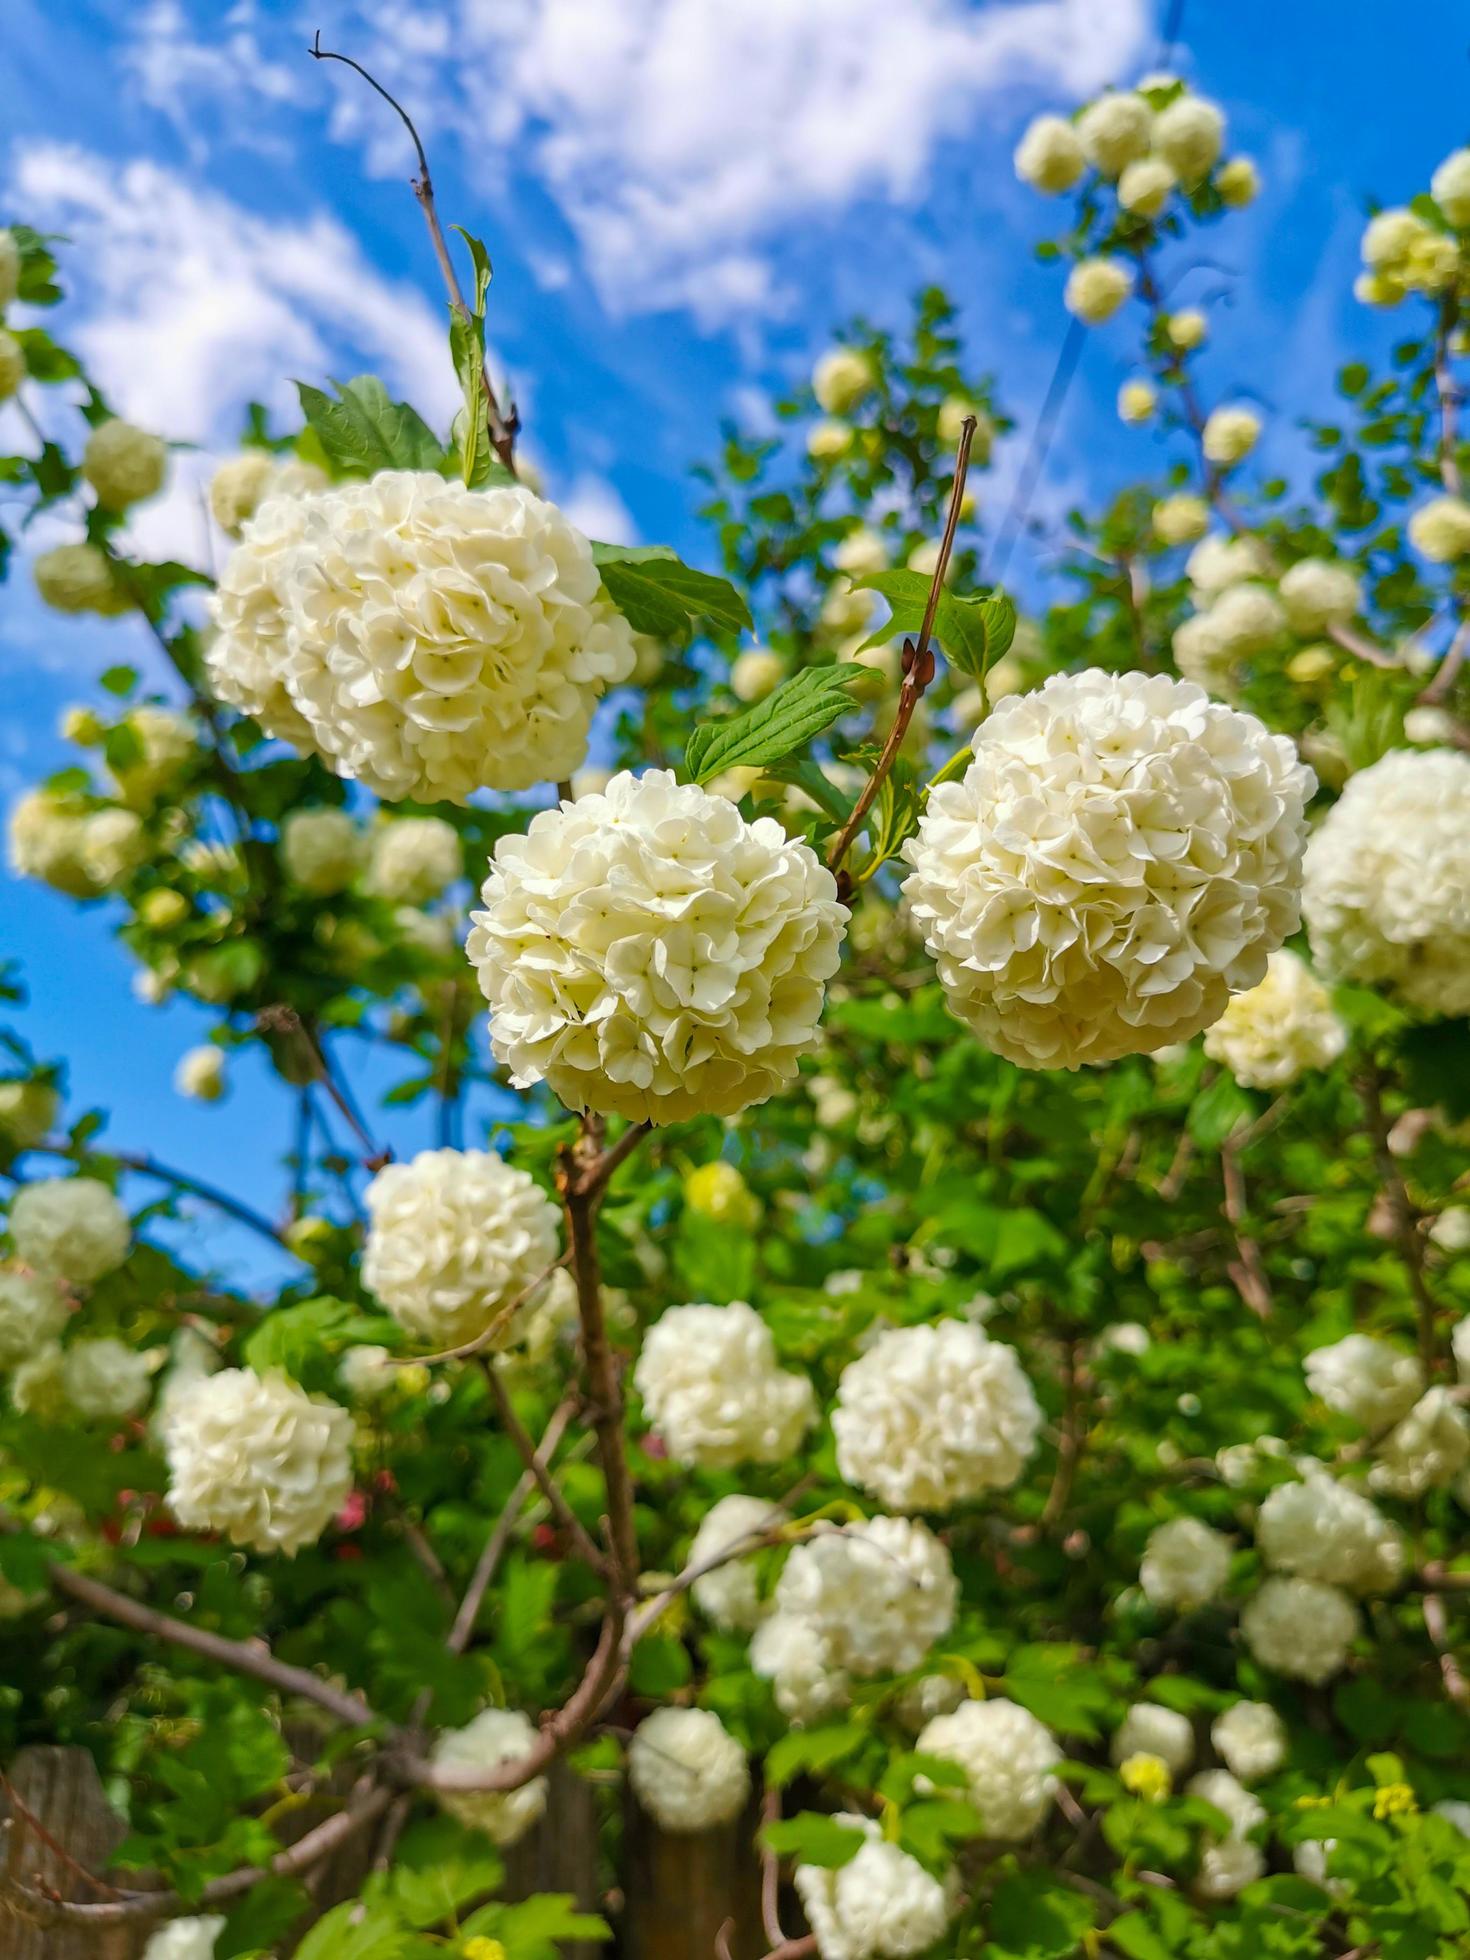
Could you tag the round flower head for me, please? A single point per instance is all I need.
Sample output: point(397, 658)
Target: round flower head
point(1426, 1450)
point(1450, 188)
point(950, 422)
point(28, 1106)
point(1186, 329)
point(9, 267)
point(12, 365)
point(77, 578)
point(414, 860)
point(1184, 1564)
point(828, 440)
point(1318, 594)
point(756, 673)
point(1188, 135)
point(729, 1596)
point(1121, 856)
point(712, 1389)
point(257, 1459)
point(1204, 655)
point(1137, 401)
point(1008, 1757)
point(321, 850)
point(186, 1939)
point(1429, 727)
point(238, 488)
point(1251, 1736)
point(1230, 1862)
point(648, 952)
point(841, 378)
point(33, 1311)
point(687, 1770)
point(1386, 897)
point(104, 1379)
point(922, 1700)
point(1300, 1628)
point(1180, 519)
point(1049, 156)
point(69, 1228)
point(862, 552)
point(797, 1660)
point(1217, 563)
point(1238, 182)
point(1144, 187)
point(880, 1905)
point(1366, 1379)
point(1096, 288)
point(431, 640)
point(933, 1415)
point(1277, 1031)
point(1230, 434)
point(1321, 1529)
point(1149, 1730)
point(454, 1236)
point(1440, 529)
point(880, 1593)
point(1114, 131)
point(123, 464)
point(497, 1735)
point(200, 1074)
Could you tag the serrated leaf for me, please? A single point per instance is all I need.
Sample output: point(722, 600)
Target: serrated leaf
point(467, 349)
point(291, 1338)
point(365, 431)
point(806, 1751)
point(813, 1839)
point(972, 632)
point(776, 727)
point(804, 774)
point(657, 593)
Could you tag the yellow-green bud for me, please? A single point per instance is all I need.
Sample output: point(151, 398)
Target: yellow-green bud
point(123, 464)
point(718, 1191)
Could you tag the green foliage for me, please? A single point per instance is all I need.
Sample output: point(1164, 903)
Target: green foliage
point(364, 430)
point(657, 593)
point(773, 729)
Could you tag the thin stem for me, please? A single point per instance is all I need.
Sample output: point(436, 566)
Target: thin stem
point(1248, 1272)
point(469, 1607)
point(771, 1874)
point(536, 1465)
point(1404, 1220)
point(489, 1334)
point(1451, 1673)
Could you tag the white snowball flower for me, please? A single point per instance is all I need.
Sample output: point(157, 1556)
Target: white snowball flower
point(258, 1459)
point(1450, 188)
point(33, 1311)
point(1008, 1757)
point(239, 487)
point(931, 1695)
point(1367, 1379)
point(1230, 434)
point(1228, 1866)
point(1300, 1628)
point(1451, 1233)
point(1186, 329)
point(1188, 135)
point(1096, 288)
point(201, 1074)
point(756, 673)
point(880, 1905)
point(933, 1415)
point(112, 844)
point(1386, 898)
point(1309, 1861)
point(648, 952)
point(1325, 1530)
point(1137, 401)
point(1318, 594)
point(713, 1390)
point(1440, 529)
point(77, 578)
point(433, 640)
point(1203, 655)
point(841, 378)
point(1144, 186)
point(495, 1736)
point(414, 859)
point(69, 1228)
point(1429, 727)
point(687, 1770)
point(1426, 1450)
point(1114, 131)
point(828, 439)
point(1121, 856)
point(1049, 156)
point(1180, 519)
point(1217, 563)
point(454, 1236)
point(369, 1371)
point(1184, 1564)
point(186, 1939)
point(1251, 1736)
point(1275, 1032)
point(1238, 182)
point(881, 1593)
point(104, 1379)
point(123, 464)
point(322, 850)
point(729, 1595)
point(797, 1660)
point(861, 553)
point(28, 1108)
point(1149, 1730)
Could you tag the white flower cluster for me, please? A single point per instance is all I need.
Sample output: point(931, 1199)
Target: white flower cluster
point(1150, 1730)
point(1184, 1564)
point(123, 464)
point(712, 1388)
point(33, 1311)
point(1385, 894)
point(1425, 1450)
point(687, 1770)
point(1369, 1380)
point(495, 1736)
point(201, 1074)
point(1121, 855)
point(1325, 1530)
point(453, 1237)
point(81, 852)
point(1405, 253)
point(104, 1379)
point(933, 1415)
point(69, 1228)
point(322, 850)
point(1008, 1757)
point(729, 1595)
point(257, 1458)
point(425, 638)
point(239, 488)
point(648, 952)
point(1251, 1737)
point(78, 578)
point(880, 1905)
point(186, 1939)
point(1440, 530)
point(1228, 1863)
point(1275, 1032)
point(872, 1598)
point(1300, 1628)
point(414, 860)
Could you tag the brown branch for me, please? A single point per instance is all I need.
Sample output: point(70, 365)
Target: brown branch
point(771, 1873)
point(537, 1469)
point(918, 660)
point(1247, 1273)
point(1448, 670)
point(58, 1850)
point(1069, 1442)
point(1404, 1219)
point(794, 1949)
point(1456, 1686)
point(488, 1334)
point(469, 1607)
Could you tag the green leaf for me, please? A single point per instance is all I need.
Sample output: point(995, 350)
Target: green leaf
point(799, 709)
point(807, 1751)
point(365, 431)
point(467, 348)
point(803, 774)
point(291, 1338)
point(657, 593)
point(812, 1839)
point(355, 1931)
point(1034, 1917)
point(659, 1666)
point(972, 632)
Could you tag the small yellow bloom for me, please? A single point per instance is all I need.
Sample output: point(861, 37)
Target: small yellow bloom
point(1146, 1776)
point(1394, 1800)
point(480, 1948)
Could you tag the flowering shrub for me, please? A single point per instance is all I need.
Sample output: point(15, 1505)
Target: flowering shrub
point(931, 1349)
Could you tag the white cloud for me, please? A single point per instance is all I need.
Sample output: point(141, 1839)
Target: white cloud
point(597, 510)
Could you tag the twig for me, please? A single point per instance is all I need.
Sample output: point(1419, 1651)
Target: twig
point(487, 1334)
point(549, 1488)
point(1404, 1219)
point(1456, 1686)
point(58, 1850)
point(469, 1607)
point(1247, 1273)
point(771, 1873)
point(918, 660)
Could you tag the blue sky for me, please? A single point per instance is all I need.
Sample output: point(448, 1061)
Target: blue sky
point(681, 197)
